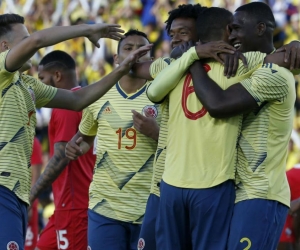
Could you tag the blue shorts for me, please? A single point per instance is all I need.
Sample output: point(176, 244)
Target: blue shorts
point(13, 226)
point(110, 234)
point(147, 235)
point(194, 218)
point(256, 224)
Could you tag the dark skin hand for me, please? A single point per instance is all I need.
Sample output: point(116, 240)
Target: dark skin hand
point(229, 58)
point(292, 54)
point(146, 125)
point(224, 103)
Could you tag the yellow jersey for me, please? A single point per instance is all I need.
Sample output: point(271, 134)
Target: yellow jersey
point(123, 169)
point(263, 144)
point(201, 150)
point(20, 95)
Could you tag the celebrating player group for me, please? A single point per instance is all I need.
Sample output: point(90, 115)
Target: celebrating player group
point(185, 152)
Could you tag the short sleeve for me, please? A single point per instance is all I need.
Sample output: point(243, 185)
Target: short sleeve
point(6, 76)
point(158, 65)
point(65, 124)
point(266, 84)
point(88, 126)
point(42, 92)
point(254, 60)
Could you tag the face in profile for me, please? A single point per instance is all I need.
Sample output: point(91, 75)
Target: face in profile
point(45, 76)
point(130, 44)
point(242, 32)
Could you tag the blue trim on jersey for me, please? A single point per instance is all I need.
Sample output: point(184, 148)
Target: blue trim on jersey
point(122, 93)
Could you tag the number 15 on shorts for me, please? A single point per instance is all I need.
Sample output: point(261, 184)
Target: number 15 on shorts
point(62, 241)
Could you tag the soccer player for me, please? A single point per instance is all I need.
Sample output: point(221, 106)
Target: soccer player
point(288, 236)
point(199, 174)
point(123, 169)
point(33, 227)
point(181, 26)
point(267, 98)
point(21, 95)
point(67, 227)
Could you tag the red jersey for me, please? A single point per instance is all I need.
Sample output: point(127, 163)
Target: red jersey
point(293, 176)
point(70, 189)
point(37, 155)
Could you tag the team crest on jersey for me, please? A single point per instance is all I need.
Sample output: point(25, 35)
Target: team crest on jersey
point(12, 245)
point(32, 94)
point(141, 244)
point(151, 109)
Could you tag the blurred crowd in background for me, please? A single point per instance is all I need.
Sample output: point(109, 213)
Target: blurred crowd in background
point(144, 15)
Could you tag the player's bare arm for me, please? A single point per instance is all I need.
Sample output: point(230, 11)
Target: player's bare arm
point(80, 99)
point(23, 50)
point(157, 91)
point(232, 101)
point(146, 125)
point(55, 166)
point(218, 102)
point(290, 60)
point(79, 145)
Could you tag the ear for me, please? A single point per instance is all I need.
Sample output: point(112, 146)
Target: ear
point(261, 29)
point(57, 76)
point(116, 59)
point(4, 46)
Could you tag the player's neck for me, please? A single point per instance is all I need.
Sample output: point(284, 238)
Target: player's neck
point(131, 84)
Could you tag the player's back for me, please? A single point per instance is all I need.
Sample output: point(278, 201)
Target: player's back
point(201, 150)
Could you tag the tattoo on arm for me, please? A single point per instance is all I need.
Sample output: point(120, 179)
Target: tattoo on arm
point(55, 166)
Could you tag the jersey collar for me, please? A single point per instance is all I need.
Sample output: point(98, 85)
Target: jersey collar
point(130, 96)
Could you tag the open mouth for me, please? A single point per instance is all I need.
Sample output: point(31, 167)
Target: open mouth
point(237, 45)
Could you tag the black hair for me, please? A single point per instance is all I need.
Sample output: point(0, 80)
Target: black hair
point(58, 60)
point(7, 21)
point(259, 11)
point(131, 33)
point(184, 11)
point(212, 23)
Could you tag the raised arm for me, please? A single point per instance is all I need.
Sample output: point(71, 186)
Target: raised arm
point(218, 102)
point(168, 78)
point(238, 98)
point(80, 99)
point(30, 44)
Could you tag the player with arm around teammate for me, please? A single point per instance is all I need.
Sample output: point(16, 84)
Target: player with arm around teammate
point(20, 95)
point(178, 68)
point(220, 105)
